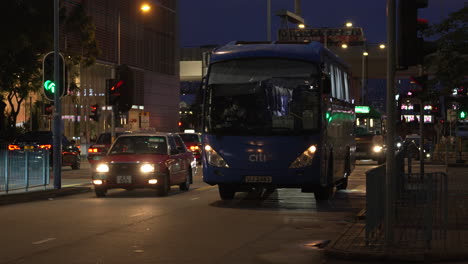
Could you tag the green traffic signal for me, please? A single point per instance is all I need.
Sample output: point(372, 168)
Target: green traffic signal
point(49, 86)
point(462, 115)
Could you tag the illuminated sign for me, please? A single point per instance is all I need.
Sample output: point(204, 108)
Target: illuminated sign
point(359, 109)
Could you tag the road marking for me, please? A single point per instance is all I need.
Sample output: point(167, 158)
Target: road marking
point(135, 215)
point(204, 188)
point(44, 241)
point(196, 198)
point(77, 184)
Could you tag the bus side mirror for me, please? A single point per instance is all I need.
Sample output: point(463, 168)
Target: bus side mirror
point(326, 84)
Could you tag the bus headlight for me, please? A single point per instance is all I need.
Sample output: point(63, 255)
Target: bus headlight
point(305, 159)
point(147, 168)
point(102, 168)
point(377, 148)
point(214, 158)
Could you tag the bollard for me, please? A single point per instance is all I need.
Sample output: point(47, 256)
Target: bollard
point(26, 170)
point(6, 170)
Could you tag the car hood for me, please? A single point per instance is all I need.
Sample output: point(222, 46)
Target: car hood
point(150, 158)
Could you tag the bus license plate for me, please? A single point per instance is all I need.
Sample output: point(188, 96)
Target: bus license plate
point(124, 179)
point(259, 179)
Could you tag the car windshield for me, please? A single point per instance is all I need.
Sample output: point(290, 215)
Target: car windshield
point(190, 137)
point(139, 145)
point(263, 97)
point(105, 138)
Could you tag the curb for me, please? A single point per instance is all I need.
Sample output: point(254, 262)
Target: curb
point(6, 199)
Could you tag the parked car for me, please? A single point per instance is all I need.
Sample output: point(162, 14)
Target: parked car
point(44, 140)
point(151, 160)
point(99, 149)
point(193, 142)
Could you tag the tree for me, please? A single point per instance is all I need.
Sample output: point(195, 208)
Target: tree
point(448, 62)
point(27, 34)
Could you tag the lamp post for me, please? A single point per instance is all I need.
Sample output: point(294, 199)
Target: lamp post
point(145, 8)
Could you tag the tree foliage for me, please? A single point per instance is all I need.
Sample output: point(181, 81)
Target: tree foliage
point(448, 62)
point(27, 34)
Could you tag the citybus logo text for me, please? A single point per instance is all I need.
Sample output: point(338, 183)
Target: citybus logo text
point(258, 157)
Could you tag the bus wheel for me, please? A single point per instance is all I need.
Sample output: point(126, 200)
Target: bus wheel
point(226, 192)
point(323, 193)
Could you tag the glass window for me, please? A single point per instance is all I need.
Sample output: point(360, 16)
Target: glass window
point(180, 144)
point(139, 145)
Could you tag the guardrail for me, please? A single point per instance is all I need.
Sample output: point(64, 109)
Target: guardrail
point(23, 169)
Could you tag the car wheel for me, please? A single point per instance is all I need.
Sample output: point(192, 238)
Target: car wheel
point(226, 191)
point(186, 185)
point(163, 189)
point(100, 191)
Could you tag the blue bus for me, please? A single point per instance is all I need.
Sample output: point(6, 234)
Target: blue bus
point(277, 115)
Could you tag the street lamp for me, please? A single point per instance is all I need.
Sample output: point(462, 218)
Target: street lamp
point(344, 46)
point(145, 8)
point(349, 24)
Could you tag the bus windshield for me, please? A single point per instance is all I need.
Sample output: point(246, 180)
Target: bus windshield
point(263, 97)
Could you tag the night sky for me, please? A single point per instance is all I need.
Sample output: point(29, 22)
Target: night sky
point(204, 22)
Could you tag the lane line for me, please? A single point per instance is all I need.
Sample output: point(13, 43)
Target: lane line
point(196, 198)
point(43, 241)
point(205, 188)
point(135, 215)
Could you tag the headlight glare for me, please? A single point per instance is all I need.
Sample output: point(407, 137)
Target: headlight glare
point(102, 168)
point(214, 158)
point(377, 148)
point(147, 168)
point(305, 159)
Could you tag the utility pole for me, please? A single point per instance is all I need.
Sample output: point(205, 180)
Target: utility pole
point(57, 123)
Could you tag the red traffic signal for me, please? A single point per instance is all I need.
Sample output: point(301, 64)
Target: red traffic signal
point(94, 114)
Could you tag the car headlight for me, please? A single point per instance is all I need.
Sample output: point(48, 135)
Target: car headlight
point(377, 148)
point(102, 168)
point(147, 168)
point(305, 159)
point(398, 145)
point(214, 158)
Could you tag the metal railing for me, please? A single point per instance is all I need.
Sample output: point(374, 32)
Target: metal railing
point(420, 206)
point(23, 169)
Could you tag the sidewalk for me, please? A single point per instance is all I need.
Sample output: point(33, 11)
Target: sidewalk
point(447, 244)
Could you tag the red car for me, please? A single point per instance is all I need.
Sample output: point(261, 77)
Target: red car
point(152, 160)
point(193, 143)
point(99, 149)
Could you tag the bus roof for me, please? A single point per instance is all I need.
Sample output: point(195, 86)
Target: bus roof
point(308, 51)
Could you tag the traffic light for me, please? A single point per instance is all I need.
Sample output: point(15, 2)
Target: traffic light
point(94, 114)
point(49, 85)
point(113, 91)
point(462, 114)
point(410, 49)
point(48, 109)
point(124, 88)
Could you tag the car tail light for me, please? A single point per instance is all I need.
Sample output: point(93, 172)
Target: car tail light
point(45, 146)
point(93, 150)
point(13, 147)
point(194, 148)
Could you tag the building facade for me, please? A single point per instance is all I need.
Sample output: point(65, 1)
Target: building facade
point(147, 42)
